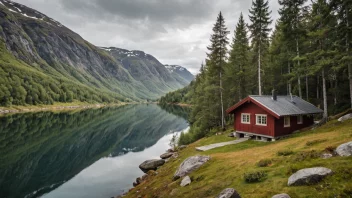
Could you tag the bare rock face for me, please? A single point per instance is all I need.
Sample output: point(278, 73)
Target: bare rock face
point(229, 193)
point(186, 181)
point(166, 155)
point(151, 164)
point(283, 195)
point(344, 149)
point(308, 176)
point(345, 117)
point(189, 165)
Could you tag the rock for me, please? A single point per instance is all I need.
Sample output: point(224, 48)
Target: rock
point(308, 176)
point(326, 155)
point(344, 149)
point(135, 184)
point(232, 134)
point(182, 147)
point(186, 181)
point(144, 177)
point(138, 180)
point(174, 156)
point(170, 150)
point(345, 117)
point(151, 164)
point(283, 195)
point(229, 193)
point(189, 165)
point(166, 155)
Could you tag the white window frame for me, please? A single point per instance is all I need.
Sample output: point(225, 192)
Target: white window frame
point(299, 119)
point(289, 121)
point(257, 119)
point(249, 118)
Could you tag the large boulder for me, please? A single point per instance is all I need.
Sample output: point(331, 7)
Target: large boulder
point(151, 164)
point(229, 193)
point(344, 149)
point(186, 181)
point(308, 176)
point(189, 165)
point(283, 195)
point(166, 155)
point(345, 117)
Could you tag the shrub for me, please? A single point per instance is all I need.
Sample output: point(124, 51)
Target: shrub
point(284, 153)
point(264, 162)
point(314, 142)
point(185, 139)
point(255, 176)
point(304, 155)
point(330, 149)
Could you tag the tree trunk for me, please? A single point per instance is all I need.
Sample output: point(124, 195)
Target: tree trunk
point(259, 72)
point(348, 54)
point(299, 76)
point(222, 105)
point(307, 88)
point(325, 115)
point(289, 83)
point(318, 84)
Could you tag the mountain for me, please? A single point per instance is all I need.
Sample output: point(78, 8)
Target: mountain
point(42, 61)
point(181, 71)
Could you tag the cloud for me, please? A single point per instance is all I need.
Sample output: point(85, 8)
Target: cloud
point(175, 32)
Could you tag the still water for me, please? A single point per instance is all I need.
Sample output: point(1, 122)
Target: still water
point(88, 153)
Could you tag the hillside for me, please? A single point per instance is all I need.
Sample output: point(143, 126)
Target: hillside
point(42, 62)
point(228, 165)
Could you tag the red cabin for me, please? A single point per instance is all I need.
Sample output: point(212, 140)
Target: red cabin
point(271, 117)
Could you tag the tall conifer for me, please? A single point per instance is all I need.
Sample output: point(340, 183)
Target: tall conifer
point(260, 18)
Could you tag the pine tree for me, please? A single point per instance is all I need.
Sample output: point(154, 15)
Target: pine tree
point(321, 37)
point(216, 60)
point(237, 71)
point(343, 8)
point(260, 18)
point(292, 12)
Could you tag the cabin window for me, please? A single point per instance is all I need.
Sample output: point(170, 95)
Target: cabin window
point(246, 119)
point(261, 119)
point(299, 119)
point(287, 121)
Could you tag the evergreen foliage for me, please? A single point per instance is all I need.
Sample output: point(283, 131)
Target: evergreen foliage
point(311, 43)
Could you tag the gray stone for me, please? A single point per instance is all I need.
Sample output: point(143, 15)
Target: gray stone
point(344, 149)
point(283, 195)
point(189, 165)
point(326, 155)
point(166, 155)
point(308, 176)
point(186, 181)
point(229, 193)
point(345, 117)
point(151, 164)
point(182, 147)
point(232, 134)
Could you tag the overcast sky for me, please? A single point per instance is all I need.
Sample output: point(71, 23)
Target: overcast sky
point(174, 31)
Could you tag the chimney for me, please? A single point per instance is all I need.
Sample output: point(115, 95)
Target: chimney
point(274, 94)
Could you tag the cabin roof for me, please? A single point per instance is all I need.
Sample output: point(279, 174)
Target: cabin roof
point(282, 106)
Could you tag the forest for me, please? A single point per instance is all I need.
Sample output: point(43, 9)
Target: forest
point(307, 54)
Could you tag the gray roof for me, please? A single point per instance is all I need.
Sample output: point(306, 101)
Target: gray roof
point(284, 106)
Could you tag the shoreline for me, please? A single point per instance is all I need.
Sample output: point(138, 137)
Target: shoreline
point(56, 107)
point(178, 104)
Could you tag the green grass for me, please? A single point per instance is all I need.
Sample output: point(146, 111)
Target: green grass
point(229, 164)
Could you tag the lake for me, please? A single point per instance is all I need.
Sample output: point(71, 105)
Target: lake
point(83, 153)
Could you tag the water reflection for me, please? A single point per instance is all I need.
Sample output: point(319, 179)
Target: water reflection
point(41, 151)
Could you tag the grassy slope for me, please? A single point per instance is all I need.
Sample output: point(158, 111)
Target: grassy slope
point(228, 165)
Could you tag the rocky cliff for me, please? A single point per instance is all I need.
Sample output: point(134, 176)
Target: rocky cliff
point(42, 61)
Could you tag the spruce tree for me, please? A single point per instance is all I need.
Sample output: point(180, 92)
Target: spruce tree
point(237, 73)
point(343, 8)
point(322, 45)
point(216, 60)
point(260, 18)
point(292, 12)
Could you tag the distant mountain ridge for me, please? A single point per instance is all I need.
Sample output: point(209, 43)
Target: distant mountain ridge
point(42, 61)
point(183, 72)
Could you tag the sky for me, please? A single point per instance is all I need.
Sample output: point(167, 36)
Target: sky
point(176, 32)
